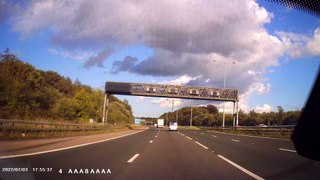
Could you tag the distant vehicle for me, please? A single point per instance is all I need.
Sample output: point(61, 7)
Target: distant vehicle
point(173, 126)
point(262, 125)
point(160, 123)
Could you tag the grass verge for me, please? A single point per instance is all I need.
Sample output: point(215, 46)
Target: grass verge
point(18, 135)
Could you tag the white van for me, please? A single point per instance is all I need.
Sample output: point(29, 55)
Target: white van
point(173, 126)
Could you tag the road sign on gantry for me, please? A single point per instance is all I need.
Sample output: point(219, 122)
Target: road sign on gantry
point(172, 91)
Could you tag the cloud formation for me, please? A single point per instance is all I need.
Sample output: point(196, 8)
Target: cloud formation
point(186, 37)
point(3, 10)
point(97, 60)
point(126, 65)
point(299, 45)
point(71, 54)
point(264, 108)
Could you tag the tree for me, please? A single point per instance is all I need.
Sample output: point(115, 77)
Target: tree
point(212, 109)
point(28, 93)
point(280, 115)
point(127, 105)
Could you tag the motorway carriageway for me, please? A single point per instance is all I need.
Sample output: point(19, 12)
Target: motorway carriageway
point(161, 154)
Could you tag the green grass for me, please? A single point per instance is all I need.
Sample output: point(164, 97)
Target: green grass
point(275, 134)
point(195, 128)
point(14, 135)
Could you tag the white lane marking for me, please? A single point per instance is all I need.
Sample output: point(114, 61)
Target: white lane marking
point(288, 150)
point(201, 145)
point(189, 137)
point(156, 136)
point(235, 140)
point(212, 151)
point(241, 168)
point(133, 158)
point(150, 141)
point(214, 136)
point(65, 148)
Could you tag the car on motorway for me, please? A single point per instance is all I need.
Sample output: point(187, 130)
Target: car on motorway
point(262, 125)
point(173, 126)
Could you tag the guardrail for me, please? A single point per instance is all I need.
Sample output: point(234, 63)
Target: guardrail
point(37, 126)
point(273, 131)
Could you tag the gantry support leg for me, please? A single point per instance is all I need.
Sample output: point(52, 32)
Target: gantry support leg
point(105, 108)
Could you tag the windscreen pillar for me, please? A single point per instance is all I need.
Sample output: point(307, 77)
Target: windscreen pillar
point(105, 108)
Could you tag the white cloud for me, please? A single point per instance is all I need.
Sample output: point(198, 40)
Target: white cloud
point(140, 99)
point(4, 10)
point(182, 80)
point(72, 54)
point(264, 108)
point(185, 36)
point(314, 44)
point(299, 45)
point(262, 88)
point(166, 102)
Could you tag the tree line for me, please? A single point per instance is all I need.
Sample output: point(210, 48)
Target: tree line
point(210, 116)
point(29, 93)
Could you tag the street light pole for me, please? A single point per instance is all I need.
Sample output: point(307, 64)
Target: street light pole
point(167, 118)
point(224, 88)
point(172, 107)
point(191, 113)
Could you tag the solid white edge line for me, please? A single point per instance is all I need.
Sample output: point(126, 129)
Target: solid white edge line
point(201, 145)
point(133, 158)
point(235, 140)
point(241, 168)
point(65, 148)
point(288, 150)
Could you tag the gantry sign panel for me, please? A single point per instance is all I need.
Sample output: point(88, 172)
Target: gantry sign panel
point(172, 91)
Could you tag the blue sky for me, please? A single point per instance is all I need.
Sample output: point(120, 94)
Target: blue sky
point(276, 49)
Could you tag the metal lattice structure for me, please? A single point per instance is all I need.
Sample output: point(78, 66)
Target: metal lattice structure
point(308, 6)
point(172, 91)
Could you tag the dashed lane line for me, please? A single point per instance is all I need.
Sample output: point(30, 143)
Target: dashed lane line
point(151, 141)
point(287, 150)
point(235, 140)
point(189, 137)
point(133, 158)
point(241, 168)
point(205, 147)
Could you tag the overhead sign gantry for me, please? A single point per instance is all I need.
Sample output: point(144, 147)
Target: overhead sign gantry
point(170, 91)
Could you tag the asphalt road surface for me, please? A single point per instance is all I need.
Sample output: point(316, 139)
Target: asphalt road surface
point(160, 154)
